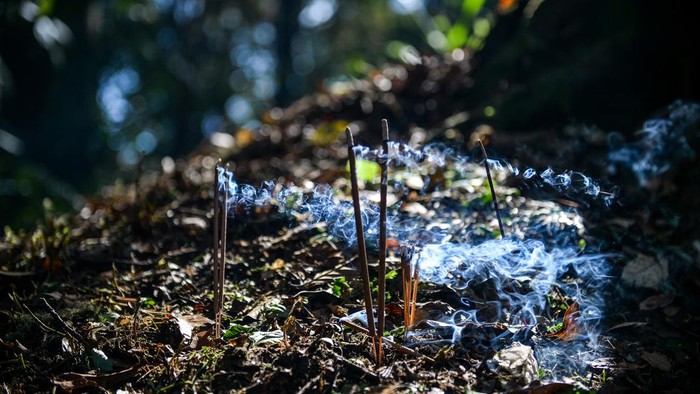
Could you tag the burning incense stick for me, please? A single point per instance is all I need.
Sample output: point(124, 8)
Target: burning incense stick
point(493, 192)
point(361, 247)
point(220, 224)
point(383, 162)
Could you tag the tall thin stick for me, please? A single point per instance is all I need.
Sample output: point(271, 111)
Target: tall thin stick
point(398, 347)
point(361, 247)
point(217, 294)
point(220, 225)
point(407, 280)
point(414, 296)
point(222, 261)
point(493, 191)
point(383, 162)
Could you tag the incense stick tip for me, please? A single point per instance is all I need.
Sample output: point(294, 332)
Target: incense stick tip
point(348, 133)
point(385, 129)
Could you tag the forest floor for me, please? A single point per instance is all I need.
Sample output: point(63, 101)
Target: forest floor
point(119, 296)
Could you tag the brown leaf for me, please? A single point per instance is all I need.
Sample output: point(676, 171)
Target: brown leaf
point(73, 381)
point(570, 328)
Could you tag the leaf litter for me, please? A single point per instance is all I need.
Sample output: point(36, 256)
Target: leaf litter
point(120, 296)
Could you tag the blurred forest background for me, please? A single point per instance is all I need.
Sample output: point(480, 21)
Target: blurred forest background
point(91, 90)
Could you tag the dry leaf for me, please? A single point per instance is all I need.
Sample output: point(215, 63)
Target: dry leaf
point(657, 360)
point(570, 327)
point(656, 302)
point(645, 271)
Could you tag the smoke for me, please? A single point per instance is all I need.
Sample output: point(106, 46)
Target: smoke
point(511, 282)
point(509, 286)
point(662, 144)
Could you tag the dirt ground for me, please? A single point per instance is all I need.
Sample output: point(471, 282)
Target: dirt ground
point(118, 296)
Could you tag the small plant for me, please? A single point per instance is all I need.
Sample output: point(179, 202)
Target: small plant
point(340, 286)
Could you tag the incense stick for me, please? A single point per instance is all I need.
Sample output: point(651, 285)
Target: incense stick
point(220, 225)
point(216, 253)
point(414, 296)
point(361, 247)
point(383, 162)
point(398, 347)
point(493, 191)
point(410, 290)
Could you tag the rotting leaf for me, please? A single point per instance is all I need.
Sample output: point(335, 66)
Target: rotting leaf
point(657, 360)
point(645, 271)
point(656, 302)
point(516, 364)
point(189, 324)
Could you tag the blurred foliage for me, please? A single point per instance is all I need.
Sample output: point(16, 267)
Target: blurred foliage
point(91, 89)
point(43, 248)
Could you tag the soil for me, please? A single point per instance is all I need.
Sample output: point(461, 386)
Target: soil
point(119, 296)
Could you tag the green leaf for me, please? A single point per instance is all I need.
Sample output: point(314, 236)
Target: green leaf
point(367, 170)
point(236, 330)
point(148, 302)
point(391, 274)
point(340, 286)
point(472, 7)
point(457, 36)
point(275, 309)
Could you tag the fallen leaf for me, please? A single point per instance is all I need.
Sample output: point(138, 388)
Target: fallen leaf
point(570, 327)
point(656, 302)
point(645, 271)
point(267, 337)
point(187, 324)
point(101, 361)
point(516, 363)
point(73, 381)
point(657, 360)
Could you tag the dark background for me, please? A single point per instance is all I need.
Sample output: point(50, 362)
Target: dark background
point(88, 90)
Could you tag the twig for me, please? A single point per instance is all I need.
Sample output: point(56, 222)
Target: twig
point(400, 348)
point(41, 323)
point(68, 329)
point(493, 191)
point(361, 247)
point(134, 325)
point(383, 162)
